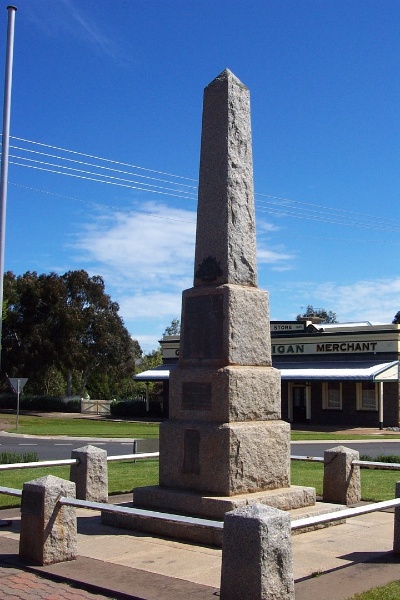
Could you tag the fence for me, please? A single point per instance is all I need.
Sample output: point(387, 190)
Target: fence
point(95, 407)
point(44, 498)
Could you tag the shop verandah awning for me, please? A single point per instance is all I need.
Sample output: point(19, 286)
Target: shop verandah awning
point(360, 371)
point(357, 371)
point(160, 373)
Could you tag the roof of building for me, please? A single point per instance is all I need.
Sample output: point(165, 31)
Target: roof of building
point(348, 370)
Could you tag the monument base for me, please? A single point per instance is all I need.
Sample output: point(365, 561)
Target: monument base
point(299, 501)
point(214, 507)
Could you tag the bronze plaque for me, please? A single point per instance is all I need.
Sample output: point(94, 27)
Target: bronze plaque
point(202, 332)
point(191, 452)
point(196, 396)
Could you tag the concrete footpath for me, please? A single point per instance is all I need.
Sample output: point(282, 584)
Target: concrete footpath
point(329, 564)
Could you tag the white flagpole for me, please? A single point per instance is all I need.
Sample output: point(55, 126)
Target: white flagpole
point(5, 150)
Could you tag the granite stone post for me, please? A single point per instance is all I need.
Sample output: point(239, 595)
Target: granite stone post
point(342, 481)
point(257, 555)
point(396, 534)
point(48, 530)
point(90, 473)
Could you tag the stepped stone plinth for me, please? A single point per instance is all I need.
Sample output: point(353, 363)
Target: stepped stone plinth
point(225, 444)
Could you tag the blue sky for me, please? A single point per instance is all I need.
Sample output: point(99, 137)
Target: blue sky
point(123, 80)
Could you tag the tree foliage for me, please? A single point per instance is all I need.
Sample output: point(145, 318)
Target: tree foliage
point(396, 318)
point(174, 328)
point(64, 328)
point(327, 317)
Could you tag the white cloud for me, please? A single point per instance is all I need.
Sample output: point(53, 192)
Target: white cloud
point(154, 304)
point(141, 252)
point(146, 259)
point(280, 259)
point(365, 300)
point(265, 226)
point(67, 17)
point(373, 300)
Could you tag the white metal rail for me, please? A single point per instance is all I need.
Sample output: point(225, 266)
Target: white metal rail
point(346, 513)
point(364, 464)
point(337, 515)
point(125, 510)
point(296, 524)
point(73, 461)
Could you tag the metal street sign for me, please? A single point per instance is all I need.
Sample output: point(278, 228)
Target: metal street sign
point(17, 383)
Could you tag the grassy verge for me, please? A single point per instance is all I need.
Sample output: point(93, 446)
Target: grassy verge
point(122, 477)
point(376, 486)
point(81, 427)
point(391, 591)
point(125, 475)
point(324, 435)
point(78, 427)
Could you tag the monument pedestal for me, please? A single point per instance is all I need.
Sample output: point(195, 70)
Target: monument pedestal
point(214, 507)
point(225, 459)
point(225, 445)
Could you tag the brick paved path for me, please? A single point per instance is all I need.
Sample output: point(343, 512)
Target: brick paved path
point(17, 584)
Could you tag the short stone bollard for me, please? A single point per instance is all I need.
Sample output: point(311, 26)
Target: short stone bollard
point(342, 481)
point(90, 473)
point(257, 555)
point(48, 530)
point(396, 534)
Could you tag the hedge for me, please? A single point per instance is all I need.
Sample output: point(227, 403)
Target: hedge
point(40, 403)
point(135, 408)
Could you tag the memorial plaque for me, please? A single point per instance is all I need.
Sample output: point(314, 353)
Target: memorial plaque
point(191, 452)
point(196, 396)
point(203, 327)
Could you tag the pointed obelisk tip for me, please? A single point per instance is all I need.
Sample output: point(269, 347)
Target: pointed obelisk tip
point(227, 75)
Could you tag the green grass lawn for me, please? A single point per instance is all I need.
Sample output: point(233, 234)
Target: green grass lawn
point(81, 427)
point(324, 435)
point(376, 486)
point(125, 475)
point(122, 477)
point(78, 427)
point(391, 591)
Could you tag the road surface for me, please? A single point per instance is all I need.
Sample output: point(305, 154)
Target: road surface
point(60, 448)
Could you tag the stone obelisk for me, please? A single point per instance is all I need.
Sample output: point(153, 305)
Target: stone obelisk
point(224, 439)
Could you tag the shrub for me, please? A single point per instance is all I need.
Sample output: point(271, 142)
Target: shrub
point(8, 458)
point(40, 403)
point(135, 408)
point(391, 458)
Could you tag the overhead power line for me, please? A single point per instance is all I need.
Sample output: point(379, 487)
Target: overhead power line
point(175, 188)
point(115, 162)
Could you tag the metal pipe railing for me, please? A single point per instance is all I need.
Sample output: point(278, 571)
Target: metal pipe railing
point(73, 461)
point(125, 510)
point(307, 458)
point(367, 464)
point(302, 523)
point(346, 513)
point(295, 524)
point(10, 491)
point(135, 456)
point(36, 464)
point(364, 464)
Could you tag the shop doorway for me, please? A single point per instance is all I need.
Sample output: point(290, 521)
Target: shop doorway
point(299, 399)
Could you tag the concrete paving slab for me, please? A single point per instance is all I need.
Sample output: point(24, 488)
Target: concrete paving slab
point(329, 564)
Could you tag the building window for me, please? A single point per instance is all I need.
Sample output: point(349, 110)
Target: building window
point(332, 395)
point(367, 395)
